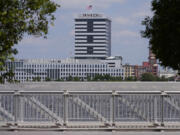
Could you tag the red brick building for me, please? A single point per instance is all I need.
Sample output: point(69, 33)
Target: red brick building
point(147, 67)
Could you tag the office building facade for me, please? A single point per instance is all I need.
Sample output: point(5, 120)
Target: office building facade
point(63, 69)
point(129, 70)
point(92, 36)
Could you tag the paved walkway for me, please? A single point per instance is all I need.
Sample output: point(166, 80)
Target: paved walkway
point(87, 133)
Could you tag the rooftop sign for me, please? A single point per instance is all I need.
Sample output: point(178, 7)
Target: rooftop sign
point(90, 15)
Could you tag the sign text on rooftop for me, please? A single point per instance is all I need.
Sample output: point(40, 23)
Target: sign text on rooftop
point(91, 15)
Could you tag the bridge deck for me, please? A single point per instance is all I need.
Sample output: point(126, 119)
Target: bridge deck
point(90, 106)
point(94, 86)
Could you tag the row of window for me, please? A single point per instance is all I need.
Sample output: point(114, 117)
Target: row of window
point(69, 70)
point(65, 66)
point(60, 76)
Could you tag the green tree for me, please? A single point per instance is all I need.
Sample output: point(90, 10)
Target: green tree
point(9, 76)
point(59, 80)
point(47, 79)
point(107, 77)
point(99, 77)
point(119, 78)
point(130, 78)
point(76, 79)
point(171, 78)
point(70, 78)
point(163, 32)
point(163, 78)
point(36, 79)
point(96, 78)
point(148, 77)
point(19, 17)
point(89, 78)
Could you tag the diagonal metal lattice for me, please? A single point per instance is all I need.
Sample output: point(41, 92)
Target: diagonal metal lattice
point(43, 109)
point(6, 113)
point(172, 102)
point(133, 107)
point(89, 109)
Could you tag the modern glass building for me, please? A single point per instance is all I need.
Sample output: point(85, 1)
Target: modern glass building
point(92, 36)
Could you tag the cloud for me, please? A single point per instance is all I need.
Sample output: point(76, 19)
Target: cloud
point(141, 14)
point(54, 47)
point(31, 40)
point(125, 33)
point(76, 4)
point(144, 11)
point(122, 20)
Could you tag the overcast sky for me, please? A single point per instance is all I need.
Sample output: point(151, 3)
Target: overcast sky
point(126, 16)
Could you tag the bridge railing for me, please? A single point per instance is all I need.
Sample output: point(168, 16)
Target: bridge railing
point(107, 108)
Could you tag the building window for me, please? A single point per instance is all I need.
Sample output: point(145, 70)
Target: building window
point(89, 50)
point(90, 26)
point(89, 38)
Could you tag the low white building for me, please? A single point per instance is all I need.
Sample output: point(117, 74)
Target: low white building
point(55, 69)
point(167, 73)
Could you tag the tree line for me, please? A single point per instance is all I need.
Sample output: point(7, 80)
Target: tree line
point(144, 77)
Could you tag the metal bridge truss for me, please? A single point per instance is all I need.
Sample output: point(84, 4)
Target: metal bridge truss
point(90, 109)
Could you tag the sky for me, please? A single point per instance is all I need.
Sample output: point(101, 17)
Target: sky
point(126, 16)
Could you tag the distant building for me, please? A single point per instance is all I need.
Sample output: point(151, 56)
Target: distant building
point(129, 70)
point(92, 36)
point(153, 66)
point(92, 55)
point(167, 73)
point(147, 67)
point(43, 69)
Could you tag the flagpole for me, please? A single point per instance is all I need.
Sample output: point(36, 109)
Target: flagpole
point(89, 8)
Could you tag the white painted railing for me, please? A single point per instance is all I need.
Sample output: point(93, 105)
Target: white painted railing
point(100, 108)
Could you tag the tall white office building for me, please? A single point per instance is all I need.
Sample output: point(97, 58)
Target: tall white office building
point(92, 36)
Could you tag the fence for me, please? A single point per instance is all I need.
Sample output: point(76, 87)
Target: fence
point(104, 108)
